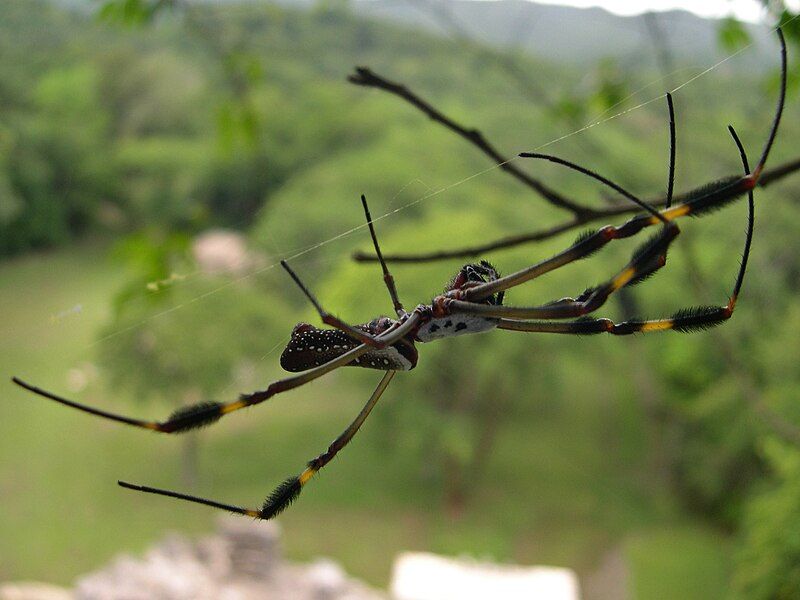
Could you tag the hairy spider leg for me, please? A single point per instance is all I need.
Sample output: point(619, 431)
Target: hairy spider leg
point(288, 491)
point(686, 320)
point(661, 260)
point(387, 276)
point(646, 260)
point(331, 320)
point(592, 299)
point(672, 150)
point(206, 413)
point(777, 120)
point(604, 180)
point(587, 243)
point(697, 202)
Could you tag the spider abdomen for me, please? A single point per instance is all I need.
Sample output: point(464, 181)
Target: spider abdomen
point(386, 359)
point(453, 325)
point(311, 347)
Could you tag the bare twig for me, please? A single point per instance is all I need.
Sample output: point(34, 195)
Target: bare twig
point(506, 242)
point(768, 176)
point(533, 89)
point(581, 214)
point(366, 77)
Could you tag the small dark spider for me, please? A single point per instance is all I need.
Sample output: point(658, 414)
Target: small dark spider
point(472, 303)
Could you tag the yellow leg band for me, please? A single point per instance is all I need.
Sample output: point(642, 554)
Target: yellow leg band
point(622, 278)
point(232, 407)
point(658, 325)
point(306, 475)
point(671, 213)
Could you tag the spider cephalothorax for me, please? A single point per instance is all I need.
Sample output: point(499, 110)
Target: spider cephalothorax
point(473, 274)
point(472, 303)
point(439, 322)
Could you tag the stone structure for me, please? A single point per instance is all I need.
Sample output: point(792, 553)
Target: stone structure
point(243, 561)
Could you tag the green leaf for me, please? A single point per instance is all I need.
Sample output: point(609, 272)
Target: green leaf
point(791, 26)
point(732, 35)
point(131, 12)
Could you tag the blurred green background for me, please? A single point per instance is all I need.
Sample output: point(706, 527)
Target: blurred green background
point(668, 463)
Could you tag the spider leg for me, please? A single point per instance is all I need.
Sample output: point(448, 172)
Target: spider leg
point(336, 322)
point(645, 260)
point(615, 186)
point(205, 413)
point(387, 276)
point(288, 491)
point(698, 202)
point(778, 113)
point(671, 176)
point(590, 242)
point(702, 201)
point(685, 320)
point(331, 320)
point(661, 260)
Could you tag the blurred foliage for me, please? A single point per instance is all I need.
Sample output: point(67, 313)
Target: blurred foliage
point(240, 116)
point(132, 12)
point(196, 352)
point(181, 358)
point(601, 89)
point(769, 561)
point(58, 177)
point(152, 260)
point(732, 34)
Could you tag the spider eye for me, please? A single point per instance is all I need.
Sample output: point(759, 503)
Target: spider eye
point(473, 275)
point(482, 272)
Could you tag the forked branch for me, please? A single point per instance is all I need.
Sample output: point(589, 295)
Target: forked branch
point(768, 177)
point(581, 214)
point(368, 78)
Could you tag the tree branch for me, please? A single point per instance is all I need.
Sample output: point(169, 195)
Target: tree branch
point(767, 177)
point(367, 78)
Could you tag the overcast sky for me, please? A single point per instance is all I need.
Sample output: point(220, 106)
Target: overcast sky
point(749, 10)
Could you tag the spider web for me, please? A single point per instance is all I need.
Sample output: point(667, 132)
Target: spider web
point(430, 193)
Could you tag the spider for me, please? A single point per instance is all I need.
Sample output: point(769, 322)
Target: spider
point(472, 302)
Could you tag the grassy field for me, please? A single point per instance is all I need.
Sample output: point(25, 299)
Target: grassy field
point(546, 498)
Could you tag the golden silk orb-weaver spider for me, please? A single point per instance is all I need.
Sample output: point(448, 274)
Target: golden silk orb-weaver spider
point(472, 302)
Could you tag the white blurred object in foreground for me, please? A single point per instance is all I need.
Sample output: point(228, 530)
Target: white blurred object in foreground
point(422, 576)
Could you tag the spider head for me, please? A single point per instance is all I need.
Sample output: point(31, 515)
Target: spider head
point(473, 274)
point(379, 325)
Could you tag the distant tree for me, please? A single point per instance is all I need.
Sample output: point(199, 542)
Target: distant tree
point(181, 344)
point(56, 175)
point(769, 559)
